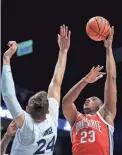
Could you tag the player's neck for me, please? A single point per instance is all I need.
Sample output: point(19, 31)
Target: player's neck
point(90, 113)
point(40, 120)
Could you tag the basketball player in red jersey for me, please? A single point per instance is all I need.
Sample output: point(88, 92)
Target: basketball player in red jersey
point(92, 132)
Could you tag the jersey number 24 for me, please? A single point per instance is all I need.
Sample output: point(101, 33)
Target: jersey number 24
point(42, 144)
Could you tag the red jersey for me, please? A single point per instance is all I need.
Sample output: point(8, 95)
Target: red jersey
point(92, 135)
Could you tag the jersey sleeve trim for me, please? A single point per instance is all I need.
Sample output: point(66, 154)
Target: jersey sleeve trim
point(104, 120)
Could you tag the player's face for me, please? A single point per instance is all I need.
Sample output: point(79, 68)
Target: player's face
point(91, 105)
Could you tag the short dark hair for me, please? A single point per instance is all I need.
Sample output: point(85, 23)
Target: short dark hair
point(38, 105)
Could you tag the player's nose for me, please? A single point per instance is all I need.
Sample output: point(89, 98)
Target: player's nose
point(87, 101)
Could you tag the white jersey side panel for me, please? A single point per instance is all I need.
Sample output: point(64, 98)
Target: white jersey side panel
point(111, 131)
point(37, 138)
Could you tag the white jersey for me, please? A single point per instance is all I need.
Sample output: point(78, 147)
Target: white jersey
point(37, 138)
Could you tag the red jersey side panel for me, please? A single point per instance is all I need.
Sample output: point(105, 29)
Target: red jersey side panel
point(91, 135)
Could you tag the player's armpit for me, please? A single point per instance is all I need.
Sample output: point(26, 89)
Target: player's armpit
point(110, 95)
point(106, 115)
point(20, 119)
point(70, 112)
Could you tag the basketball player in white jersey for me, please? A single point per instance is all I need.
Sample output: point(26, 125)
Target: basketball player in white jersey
point(37, 126)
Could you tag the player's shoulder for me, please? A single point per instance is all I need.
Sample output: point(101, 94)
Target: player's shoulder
point(79, 114)
point(28, 121)
point(78, 117)
point(27, 115)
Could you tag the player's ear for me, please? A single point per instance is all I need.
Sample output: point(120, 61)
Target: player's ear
point(27, 109)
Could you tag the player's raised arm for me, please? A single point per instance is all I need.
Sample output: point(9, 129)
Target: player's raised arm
point(64, 44)
point(110, 92)
point(69, 108)
point(11, 131)
point(8, 89)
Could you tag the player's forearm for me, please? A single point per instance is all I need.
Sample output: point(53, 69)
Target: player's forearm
point(60, 68)
point(110, 64)
point(8, 92)
point(110, 94)
point(6, 60)
point(4, 143)
point(74, 92)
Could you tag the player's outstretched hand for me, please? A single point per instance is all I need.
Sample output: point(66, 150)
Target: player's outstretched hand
point(109, 40)
point(64, 38)
point(12, 49)
point(94, 74)
point(12, 128)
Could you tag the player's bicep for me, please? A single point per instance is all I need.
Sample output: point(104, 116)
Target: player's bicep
point(54, 91)
point(15, 109)
point(70, 112)
point(110, 94)
point(106, 115)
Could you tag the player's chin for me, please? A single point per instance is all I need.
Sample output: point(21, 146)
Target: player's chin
point(87, 109)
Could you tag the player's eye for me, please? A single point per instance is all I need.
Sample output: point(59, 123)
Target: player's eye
point(93, 98)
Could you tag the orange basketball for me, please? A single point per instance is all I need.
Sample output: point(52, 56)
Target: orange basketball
point(98, 28)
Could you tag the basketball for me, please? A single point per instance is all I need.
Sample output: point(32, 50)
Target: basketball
point(98, 28)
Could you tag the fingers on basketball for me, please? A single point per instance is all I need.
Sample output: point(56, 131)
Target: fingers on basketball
point(98, 28)
point(111, 33)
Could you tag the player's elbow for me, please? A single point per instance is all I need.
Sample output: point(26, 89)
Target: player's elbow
point(7, 96)
point(57, 81)
point(64, 100)
point(111, 76)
